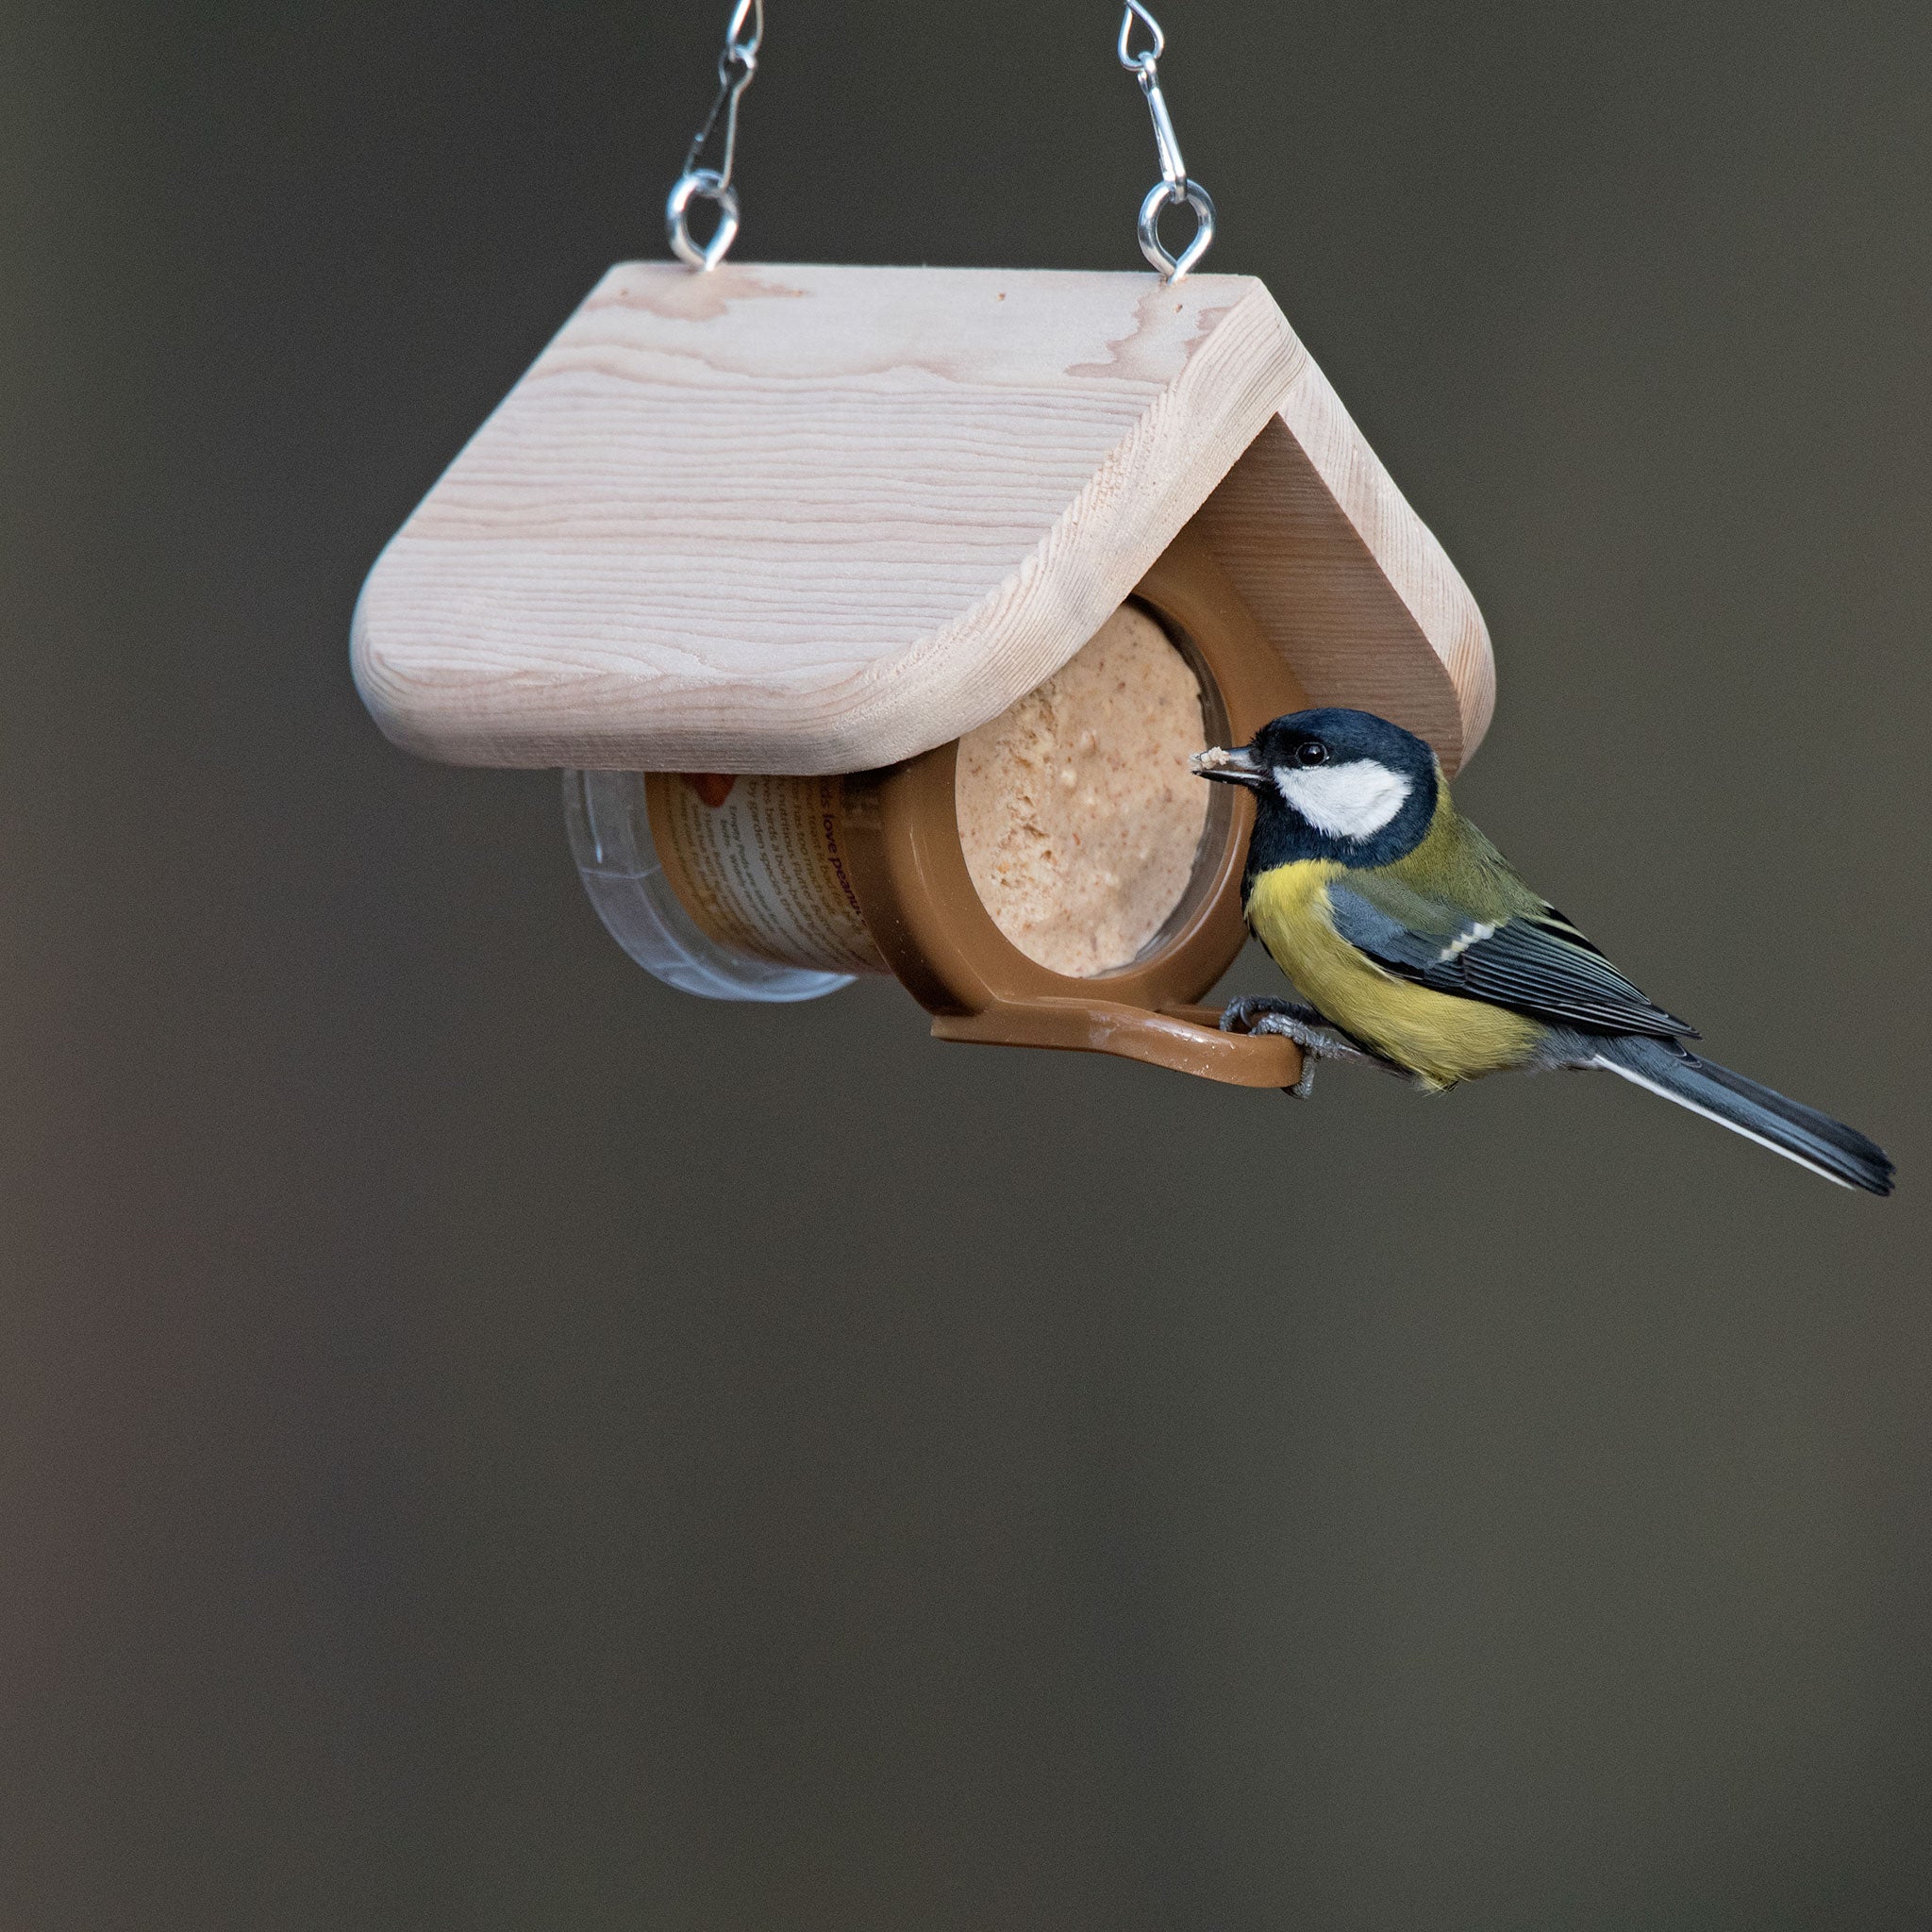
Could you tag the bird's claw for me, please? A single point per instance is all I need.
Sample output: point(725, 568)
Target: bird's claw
point(1261, 1014)
point(1242, 1012)
point(1317, 1039)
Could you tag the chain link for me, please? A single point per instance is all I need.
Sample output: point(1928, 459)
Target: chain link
point(737, 64)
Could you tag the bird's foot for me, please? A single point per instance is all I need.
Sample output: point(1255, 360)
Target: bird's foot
point(1242, 1012)
point(1261, 1014)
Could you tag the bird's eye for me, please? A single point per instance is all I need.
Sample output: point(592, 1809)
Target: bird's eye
point(1313, 752)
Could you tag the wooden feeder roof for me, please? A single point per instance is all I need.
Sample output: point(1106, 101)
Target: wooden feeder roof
point(820, 519)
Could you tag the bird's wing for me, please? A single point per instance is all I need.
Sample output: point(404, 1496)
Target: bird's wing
point(1534, 961)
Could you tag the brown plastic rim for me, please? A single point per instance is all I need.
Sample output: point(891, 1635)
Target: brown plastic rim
point(902, 831)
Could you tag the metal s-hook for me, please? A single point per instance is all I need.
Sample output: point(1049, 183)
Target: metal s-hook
point(737, 64)
point(1175, 186)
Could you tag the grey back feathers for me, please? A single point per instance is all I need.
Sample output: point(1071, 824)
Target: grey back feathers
point(1537, 964)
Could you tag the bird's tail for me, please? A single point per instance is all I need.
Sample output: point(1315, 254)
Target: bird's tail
point(1800, 1133)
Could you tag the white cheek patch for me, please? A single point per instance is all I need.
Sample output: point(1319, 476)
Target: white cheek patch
point(1351, 801)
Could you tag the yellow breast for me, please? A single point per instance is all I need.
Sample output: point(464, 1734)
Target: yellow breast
point(1442, 1038)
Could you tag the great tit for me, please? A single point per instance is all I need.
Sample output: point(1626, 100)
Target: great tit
point(1418, 947)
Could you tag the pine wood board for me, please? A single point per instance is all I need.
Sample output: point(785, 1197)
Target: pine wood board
point(811, 519)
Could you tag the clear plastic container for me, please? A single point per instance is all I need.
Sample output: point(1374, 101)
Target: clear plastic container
point(617, 859)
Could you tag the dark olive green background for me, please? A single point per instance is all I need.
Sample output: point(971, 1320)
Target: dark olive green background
point(490, 1442)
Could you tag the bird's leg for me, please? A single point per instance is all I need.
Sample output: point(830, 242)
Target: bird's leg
point(1261, 1014)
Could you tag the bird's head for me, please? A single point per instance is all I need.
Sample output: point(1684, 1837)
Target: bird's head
point(1332, 784)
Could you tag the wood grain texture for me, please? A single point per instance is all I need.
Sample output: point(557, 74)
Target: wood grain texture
point(1347, 582)
point(818, 519)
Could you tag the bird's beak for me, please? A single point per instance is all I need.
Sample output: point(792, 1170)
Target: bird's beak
point(1238, 767)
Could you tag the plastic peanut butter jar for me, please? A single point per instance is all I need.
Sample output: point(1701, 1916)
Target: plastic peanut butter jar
point(1055, 878)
